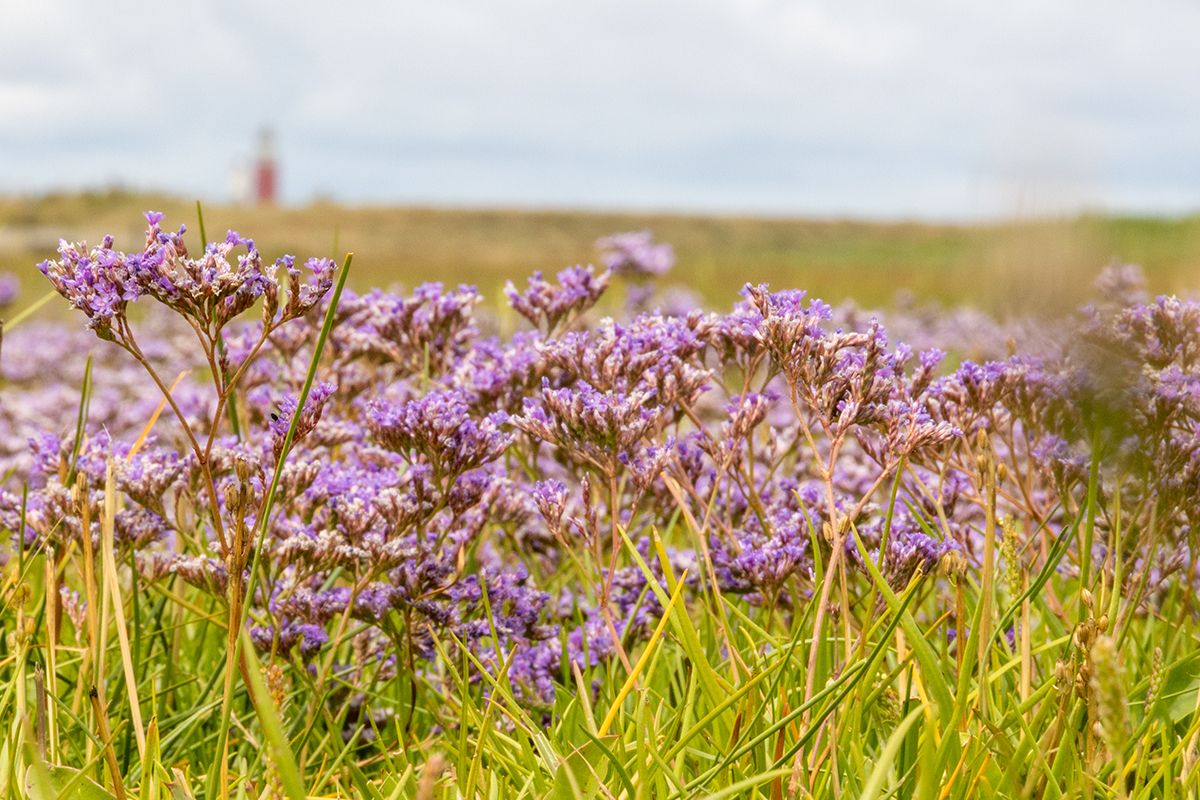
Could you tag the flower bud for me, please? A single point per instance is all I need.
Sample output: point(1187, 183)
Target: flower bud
point(233, 497)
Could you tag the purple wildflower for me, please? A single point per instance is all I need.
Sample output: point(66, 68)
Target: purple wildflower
point(10, 289)
point(551, 499)
point(547, 306)
point(438, 429)
point(636, 253)
point(281, 420)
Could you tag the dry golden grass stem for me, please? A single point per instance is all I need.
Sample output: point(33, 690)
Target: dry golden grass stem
point(110, 755)
point(429, 776)
point(987, 467)
point(112, 580)
point(39, 696)
point(92, 659)
point(53, 612)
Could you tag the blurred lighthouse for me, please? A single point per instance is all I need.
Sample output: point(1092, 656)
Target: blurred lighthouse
point(266, 170)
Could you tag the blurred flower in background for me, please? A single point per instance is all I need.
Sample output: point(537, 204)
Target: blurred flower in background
point(10, 289)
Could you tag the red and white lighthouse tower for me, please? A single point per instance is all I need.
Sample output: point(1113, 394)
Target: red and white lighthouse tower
point(266, 170)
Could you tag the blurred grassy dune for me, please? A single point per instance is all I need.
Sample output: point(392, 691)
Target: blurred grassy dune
point(1035, 265)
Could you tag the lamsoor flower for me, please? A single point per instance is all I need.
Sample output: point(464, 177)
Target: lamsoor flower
point(100, 282)
point(551, 499)
point(498, 374)
point(210, 290)
point(547, 306)
point(636, 253)
point(761, 559)
point(425, 333)
point(908, 550)
point(309, 637)
point(650, 353)
point(593, 427)
point(309, 417)
point(438, 429)
point(10, 289)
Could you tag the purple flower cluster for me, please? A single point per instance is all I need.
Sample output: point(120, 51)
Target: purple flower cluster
point(438, 429)
point(281, 421)
point(424, 334)
point(10, 289)
point(548, 306)
point(636, 253)
point(210, 290)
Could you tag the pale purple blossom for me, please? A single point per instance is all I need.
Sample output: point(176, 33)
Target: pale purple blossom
point(636, 253)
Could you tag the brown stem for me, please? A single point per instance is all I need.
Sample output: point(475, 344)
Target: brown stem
point(110, 755)
point(201, 456)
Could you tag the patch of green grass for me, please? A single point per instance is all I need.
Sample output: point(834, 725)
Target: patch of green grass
point(714, 706)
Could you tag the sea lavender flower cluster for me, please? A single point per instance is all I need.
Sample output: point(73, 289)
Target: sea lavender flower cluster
point(520, 503)
point(636, 254)
point(427, 332)
point(209, 291)
point(10, 289)
point(437, 429)
point(548, 306)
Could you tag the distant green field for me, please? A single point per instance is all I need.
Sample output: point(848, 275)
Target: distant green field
point(1036, 265)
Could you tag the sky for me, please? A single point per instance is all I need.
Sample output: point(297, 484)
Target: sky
point(917, 109)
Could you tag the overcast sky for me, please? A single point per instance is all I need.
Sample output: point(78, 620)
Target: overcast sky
point(889, 109)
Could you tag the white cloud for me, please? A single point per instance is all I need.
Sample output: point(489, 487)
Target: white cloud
point(919, 108)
